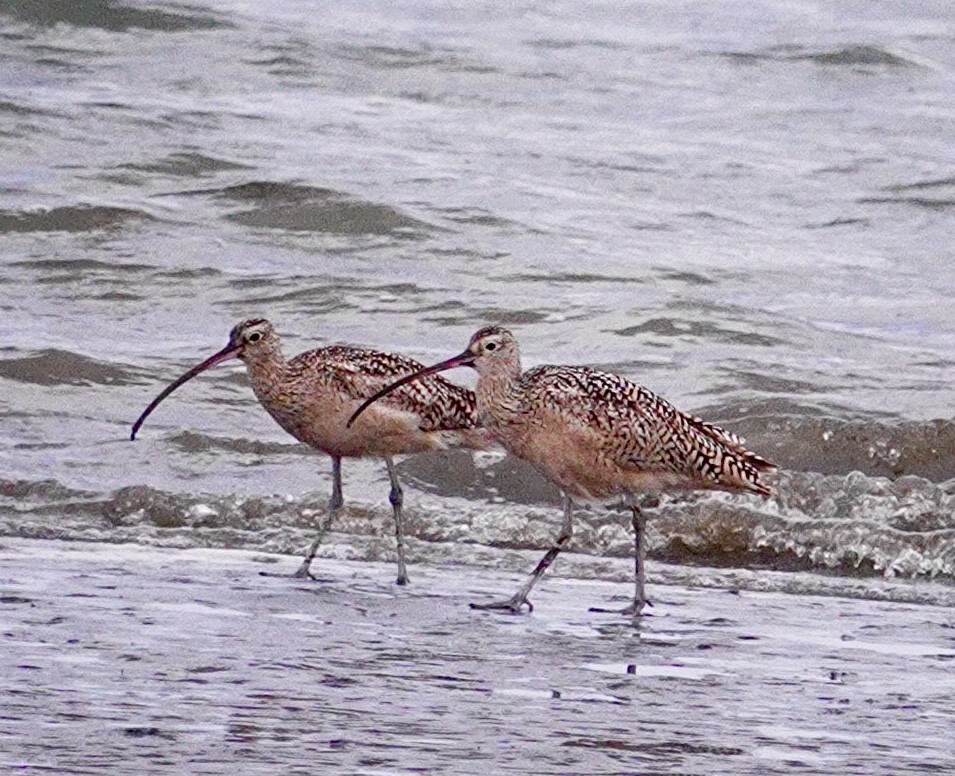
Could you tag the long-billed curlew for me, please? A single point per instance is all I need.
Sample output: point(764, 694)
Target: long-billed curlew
point(597, 436)
point(313, 394)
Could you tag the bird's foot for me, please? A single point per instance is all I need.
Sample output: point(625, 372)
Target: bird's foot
point(513, 605)
point(633, 609)
point(402, 580)
point(304, 571)
point(300, 574)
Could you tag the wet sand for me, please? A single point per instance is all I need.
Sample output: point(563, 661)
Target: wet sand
point(134, 659)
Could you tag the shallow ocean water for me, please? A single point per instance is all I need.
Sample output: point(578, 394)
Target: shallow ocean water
point(188, 660)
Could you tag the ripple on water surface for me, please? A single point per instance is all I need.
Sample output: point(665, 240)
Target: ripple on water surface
point(147, 656)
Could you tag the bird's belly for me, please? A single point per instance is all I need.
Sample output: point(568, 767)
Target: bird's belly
point(385, 432)
point(579, 464)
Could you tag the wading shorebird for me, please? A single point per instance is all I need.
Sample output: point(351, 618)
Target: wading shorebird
point(597, 436)
point(313, 394)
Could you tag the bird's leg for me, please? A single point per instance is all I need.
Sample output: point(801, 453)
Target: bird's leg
point(639, 560)
point(517, 603)
point(639, 522)
point(397, 499)
point(335, 504)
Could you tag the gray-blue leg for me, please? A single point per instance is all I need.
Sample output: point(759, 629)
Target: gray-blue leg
point(639, 523)
point(639, 561)
point(335, 504)
point(519, 600)
point(397, 498)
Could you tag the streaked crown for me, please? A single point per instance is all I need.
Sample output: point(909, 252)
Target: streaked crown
point(491, 340)
point(254, 332)
point(494, 345)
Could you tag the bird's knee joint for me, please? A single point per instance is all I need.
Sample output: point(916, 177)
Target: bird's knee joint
point(396, 497)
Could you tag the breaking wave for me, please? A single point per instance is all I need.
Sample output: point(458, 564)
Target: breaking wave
point(851, 525)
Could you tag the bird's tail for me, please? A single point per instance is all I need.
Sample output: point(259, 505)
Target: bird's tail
point(741, 468)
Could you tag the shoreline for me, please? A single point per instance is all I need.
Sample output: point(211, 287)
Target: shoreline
point(131, 657)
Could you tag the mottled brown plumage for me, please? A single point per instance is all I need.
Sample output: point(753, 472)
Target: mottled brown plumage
point(312, 395)
point(598, 436)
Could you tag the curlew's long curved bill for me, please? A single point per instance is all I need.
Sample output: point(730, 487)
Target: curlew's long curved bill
point(462, 359)
point(229, 351)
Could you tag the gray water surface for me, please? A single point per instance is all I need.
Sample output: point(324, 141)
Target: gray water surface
point(189, 662)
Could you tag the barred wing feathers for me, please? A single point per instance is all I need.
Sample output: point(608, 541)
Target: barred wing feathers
point(642, 430)
point(359, 372)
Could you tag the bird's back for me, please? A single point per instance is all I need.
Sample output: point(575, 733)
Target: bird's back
point(607, 421)
point(359, 372)
point(319, 389)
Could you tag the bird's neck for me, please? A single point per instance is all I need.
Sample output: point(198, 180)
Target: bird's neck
point(498, 394)
point(267, 370)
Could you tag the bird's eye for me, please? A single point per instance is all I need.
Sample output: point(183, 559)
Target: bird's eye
point(490, 346)
point(255, 336)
